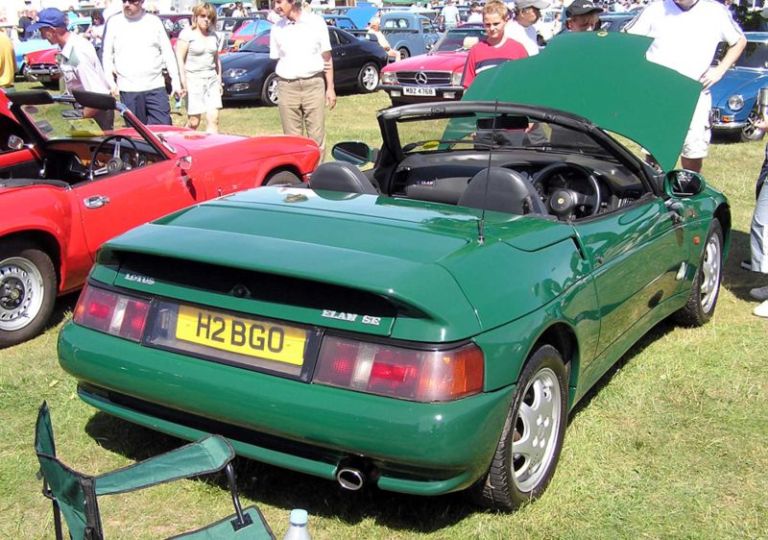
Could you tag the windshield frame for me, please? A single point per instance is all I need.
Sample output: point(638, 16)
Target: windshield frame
point(389, 120)
point(252, 44)
point(23, 104)
point(758, 47)
point(469, 32)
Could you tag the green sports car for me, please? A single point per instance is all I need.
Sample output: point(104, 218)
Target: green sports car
point(427, 325)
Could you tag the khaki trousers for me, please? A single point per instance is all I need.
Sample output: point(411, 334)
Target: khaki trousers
point(301, 103)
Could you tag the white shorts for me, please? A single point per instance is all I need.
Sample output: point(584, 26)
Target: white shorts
point(699, 133)
point(203, 93)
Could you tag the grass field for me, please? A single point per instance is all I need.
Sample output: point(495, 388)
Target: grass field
point(672, 444)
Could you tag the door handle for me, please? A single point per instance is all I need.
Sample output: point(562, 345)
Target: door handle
point(675, 209)
point(96, 201)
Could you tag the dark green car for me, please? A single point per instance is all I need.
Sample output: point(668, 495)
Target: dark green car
point(426, 326)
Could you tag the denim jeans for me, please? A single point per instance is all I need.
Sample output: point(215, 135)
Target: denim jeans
point(758, 232)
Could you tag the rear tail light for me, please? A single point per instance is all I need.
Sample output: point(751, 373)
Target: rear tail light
point(117, 314)
point(398, 372)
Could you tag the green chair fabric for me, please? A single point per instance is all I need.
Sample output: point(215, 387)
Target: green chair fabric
point(227, 528)
point(75, 495)
point(206, 456)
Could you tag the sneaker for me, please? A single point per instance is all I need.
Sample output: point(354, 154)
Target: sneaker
point(746, 264)
point(762, 310)
point(760, 293)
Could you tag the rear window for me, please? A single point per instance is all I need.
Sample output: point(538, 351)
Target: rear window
point(396, 23)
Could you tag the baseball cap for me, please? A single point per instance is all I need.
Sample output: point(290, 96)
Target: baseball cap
point(50, 18)
point(538, 4)
point(582, 7)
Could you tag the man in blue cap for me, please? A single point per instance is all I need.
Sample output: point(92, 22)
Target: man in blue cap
point(78, 62)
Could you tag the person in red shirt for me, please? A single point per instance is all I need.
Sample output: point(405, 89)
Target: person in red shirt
point(496, 48)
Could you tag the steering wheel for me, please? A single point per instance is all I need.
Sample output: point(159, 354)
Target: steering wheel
point(564, 201)
point(116, 162)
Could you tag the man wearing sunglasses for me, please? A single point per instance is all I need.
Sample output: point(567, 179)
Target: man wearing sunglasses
point(520, 27)
point(136, 49)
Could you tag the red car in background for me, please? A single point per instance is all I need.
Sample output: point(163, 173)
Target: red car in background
point(66, 187)
point(433, 76)
point(41, 66)
point(246, 33)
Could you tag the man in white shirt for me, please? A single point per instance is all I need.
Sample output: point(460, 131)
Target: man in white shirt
point(135, 51)
point(79, 65)
point(238, 11)
point(685, 36)
point(520, 26)
point(301, 45)
point(449, 16)
point(475, 13)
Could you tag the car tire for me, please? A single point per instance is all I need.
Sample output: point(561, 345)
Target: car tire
point(28, 288)
point(269, 91)
point(706, 283)
point(527, 452)
point(404, 53)
point(751, 133)
point(282, 178)
point(368, 78)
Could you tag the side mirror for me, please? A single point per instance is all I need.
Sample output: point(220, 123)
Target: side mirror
point(15, 142)
point(184, 163)
point(354, 152)
point(683, 183)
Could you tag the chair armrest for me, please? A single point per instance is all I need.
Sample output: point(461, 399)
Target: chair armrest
point(205, 456)
point(256, 528)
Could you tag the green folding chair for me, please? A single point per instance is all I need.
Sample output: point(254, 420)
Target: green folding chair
point(74, 495)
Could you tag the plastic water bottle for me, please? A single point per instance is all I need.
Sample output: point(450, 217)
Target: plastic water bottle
point(298, 529)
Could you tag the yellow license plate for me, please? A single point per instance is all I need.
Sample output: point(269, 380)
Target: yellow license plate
point(238, 335)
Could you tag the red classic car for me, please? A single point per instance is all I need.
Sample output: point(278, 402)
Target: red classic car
point(435, 75)
point(66, 186)
point(41, 66)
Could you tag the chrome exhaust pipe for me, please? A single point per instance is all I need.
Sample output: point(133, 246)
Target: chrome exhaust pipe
point(350, 479)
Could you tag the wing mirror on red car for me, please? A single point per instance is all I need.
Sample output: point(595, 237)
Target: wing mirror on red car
point(184, 163)
point(15, 142)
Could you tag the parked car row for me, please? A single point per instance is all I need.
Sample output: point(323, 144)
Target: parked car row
point(249, 72)
point(434, 71)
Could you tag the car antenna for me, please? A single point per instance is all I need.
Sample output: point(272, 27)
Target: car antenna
point(481, 222)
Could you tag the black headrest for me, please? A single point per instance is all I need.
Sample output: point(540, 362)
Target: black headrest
point(502, 190)
point(341, 176)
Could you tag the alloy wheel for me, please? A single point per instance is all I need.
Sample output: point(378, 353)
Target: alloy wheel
point(21, 293)
point(536, 428)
